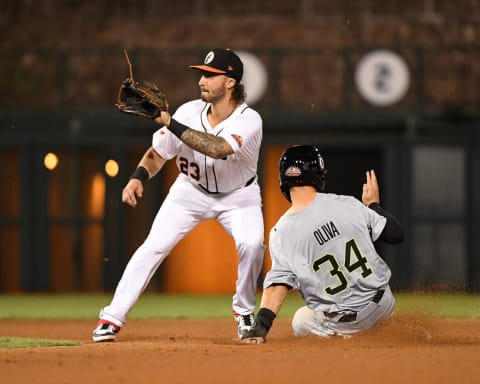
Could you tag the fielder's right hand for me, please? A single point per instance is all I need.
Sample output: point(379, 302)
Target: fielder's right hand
point(132, 190)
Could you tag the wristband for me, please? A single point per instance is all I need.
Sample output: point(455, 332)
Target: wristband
point(140, 173)
point(176, 128)
point(265, 318)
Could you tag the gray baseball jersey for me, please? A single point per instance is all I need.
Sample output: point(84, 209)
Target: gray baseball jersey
point(326, 251)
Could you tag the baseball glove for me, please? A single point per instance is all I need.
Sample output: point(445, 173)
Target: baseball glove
point(141, 98)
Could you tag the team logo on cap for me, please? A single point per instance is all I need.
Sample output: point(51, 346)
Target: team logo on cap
point(322, 164)
point(293, 172)
point(209, 58)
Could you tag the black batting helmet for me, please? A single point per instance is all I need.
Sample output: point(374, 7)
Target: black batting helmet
point(301, 165)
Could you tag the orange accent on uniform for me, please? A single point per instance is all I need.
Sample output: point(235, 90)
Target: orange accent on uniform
point(206, 68)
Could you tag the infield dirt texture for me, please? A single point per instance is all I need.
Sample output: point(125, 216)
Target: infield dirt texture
point(407, 349)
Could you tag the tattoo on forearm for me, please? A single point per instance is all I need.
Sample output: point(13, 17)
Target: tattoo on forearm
point(209, 145)
point(150, 155)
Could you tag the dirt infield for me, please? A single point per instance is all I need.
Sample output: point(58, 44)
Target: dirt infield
point(405, 350)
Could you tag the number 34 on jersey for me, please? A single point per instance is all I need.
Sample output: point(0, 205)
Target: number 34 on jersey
point(353, 261)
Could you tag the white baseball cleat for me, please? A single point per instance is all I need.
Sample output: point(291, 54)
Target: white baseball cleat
point(105, 331)
point(245, 323)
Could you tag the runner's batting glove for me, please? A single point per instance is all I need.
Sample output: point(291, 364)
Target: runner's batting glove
point(263, 323)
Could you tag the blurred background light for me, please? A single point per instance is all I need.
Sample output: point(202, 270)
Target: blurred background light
point(111, 168)
point(50, 161)
point(382, 77)
point(254, 76)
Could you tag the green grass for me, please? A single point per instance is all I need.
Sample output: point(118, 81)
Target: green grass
point(455, 305)
point(87, 306)
point(23, 342)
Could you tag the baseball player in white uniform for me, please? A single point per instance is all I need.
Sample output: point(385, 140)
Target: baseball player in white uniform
point(324, 247)
point(215, 141)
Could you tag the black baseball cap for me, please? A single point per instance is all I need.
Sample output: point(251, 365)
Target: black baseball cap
point(222, 61)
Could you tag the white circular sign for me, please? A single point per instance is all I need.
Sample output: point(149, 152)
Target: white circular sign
point(382, 77)
point(255, 77)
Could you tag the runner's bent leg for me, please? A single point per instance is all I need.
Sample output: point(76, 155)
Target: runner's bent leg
point(306, 322)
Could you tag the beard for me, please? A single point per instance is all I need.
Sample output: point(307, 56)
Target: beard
point(213, 96)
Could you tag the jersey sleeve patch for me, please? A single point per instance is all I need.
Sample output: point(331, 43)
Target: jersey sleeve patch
point(238, 139)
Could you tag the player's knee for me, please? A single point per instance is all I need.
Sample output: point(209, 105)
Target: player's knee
point(253, 245)
point(303, 321)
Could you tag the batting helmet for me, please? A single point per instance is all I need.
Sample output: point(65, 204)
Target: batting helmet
point(301, 165)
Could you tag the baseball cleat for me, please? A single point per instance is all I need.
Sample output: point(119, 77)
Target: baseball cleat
point(245, 323)
point(105, 331)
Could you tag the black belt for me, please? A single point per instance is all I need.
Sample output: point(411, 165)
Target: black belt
point(213, 193)
point(250, 181)
point(378, 296)
point(350, 317)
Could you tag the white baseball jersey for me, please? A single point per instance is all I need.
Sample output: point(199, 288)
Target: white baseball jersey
point(242, 130)
point(326, 251)
point(206, 188)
